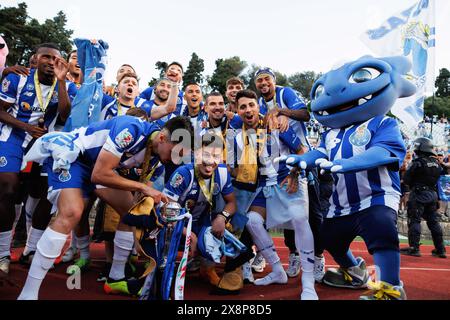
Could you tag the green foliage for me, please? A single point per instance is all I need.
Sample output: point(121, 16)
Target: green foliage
point(161, 66)
point(303, 82)
point(225, 69)
point(440, 107)
point(443, 83)
point(23, 34)
point(194, 71)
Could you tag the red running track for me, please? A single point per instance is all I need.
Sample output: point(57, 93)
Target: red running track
point(425, 278)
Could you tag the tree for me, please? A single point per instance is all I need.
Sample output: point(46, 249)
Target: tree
point(443, 83)
point(161, 66)
point(249, 78)
point(440, 107)
point(303, 82)
point(225, 69)
point(23, 34)
point(194, 71)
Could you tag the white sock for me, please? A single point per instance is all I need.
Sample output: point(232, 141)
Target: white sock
point(123, 243)
point(30, 206)
point(304, 241)
point(262, 238)
point(18, 209)
point(83, 246)
point(33, 237)
point(48, 249)
point(5, 243)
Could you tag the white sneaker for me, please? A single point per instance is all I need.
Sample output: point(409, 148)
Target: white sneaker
point(69, 255)
point(294, 266)
point(259, 263)
point(319, 268)
point(273, 277)
point(247, 273)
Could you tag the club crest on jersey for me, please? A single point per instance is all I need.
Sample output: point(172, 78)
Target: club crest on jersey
point(190, 204)
point(5, 85)
point(177, 180)
point(30, 87)
point(54, 97)
point(361, 136)
point(3, 162)
point(216, 189)
point(64, 176)
point(124, 138)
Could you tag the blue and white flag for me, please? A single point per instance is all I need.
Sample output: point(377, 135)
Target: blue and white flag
point(86, 105)
point(410, 33)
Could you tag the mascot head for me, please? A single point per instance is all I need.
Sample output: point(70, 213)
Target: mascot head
point(360, 90)
point(3, 52)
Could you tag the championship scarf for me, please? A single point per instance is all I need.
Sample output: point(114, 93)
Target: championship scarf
point(86, 105)
point(248, 165)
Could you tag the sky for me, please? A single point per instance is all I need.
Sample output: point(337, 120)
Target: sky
point(287, 35)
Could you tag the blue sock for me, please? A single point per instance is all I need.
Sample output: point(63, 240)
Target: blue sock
point(347, 260)
point(388, 262)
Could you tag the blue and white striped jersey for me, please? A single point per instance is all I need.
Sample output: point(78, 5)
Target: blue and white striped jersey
point(354, 192)
point(110, 107)
point(149, 95)
point(21, 92)
point(286, 97)
point(183, 187)
point(276, 145)
point(125, 137)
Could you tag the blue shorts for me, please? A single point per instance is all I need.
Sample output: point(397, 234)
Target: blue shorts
point(11, 156)
point(78, 177)
point(260, 200)
point(377, 225)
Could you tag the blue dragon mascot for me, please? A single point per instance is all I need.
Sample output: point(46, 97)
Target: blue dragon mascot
point(363, 149)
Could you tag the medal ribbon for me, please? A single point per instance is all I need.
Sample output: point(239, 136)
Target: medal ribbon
point(202, 184)
point(38, 89)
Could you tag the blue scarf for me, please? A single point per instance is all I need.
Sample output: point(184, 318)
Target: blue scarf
point(86, 106)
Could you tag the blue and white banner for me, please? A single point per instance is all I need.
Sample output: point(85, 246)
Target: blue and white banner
point(410, 33)
point(86, 105)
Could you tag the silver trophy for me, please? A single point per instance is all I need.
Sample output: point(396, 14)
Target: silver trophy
point(169, 212)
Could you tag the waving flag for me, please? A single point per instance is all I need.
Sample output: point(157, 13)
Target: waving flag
point(410, 33)
point(86, 105)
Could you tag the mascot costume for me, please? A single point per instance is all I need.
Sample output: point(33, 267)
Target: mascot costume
point(363, 149)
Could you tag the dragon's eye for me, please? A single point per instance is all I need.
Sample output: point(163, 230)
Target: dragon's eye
point(364, 75)
point(319, 91)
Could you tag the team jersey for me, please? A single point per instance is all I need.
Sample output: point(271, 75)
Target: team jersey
point(20, 91)
point(184, 188)
point(354, 192)
point(149, 95)
point(276, 145)
point(286, 97)
point(110, 108)
point(125, 137)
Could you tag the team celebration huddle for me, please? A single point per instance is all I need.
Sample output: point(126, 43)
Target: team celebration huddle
point(178, 177)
